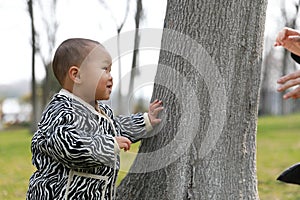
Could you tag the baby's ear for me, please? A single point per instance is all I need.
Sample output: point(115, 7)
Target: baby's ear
point(74, 74)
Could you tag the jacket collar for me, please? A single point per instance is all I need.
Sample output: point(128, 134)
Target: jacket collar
point(73, 96)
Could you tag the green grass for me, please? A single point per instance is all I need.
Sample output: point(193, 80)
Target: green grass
point(127, 159)
point(278, 147)
point(15, 163)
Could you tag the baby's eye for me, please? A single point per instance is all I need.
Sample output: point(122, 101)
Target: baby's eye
point(107, 68)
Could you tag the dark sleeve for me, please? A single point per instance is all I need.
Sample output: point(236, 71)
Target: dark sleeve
point(296, 58)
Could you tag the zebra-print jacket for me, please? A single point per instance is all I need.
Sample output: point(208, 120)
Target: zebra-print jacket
point(74, 149)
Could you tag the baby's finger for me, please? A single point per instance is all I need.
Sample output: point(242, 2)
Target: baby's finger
point(156, 121)
point(156, 111)
point(159, 109)
point(153, 107)
point(153, 103)
point(128, 142)
point(126, 146)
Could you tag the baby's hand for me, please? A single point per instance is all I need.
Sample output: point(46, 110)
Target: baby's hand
point(153, 111)
point(123, 142)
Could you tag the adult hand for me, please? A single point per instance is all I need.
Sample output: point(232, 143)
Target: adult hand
point(288, 81)
point(153, 111)
point(290, 39)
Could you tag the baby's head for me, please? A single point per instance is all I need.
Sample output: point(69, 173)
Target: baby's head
point(82, 66)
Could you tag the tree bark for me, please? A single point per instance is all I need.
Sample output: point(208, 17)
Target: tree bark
point(208, 78)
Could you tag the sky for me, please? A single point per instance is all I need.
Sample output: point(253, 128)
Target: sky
point(77, 18)
point(14, 41)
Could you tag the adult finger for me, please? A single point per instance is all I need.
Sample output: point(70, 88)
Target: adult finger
point(282, 35)
point(294, 38)
point(288, 77)
point(286, 34)
point(289, 84)
point(290, 31)
point(277, 43)
point(292, 94)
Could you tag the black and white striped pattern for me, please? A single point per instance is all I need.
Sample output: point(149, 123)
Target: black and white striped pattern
point(73, 150)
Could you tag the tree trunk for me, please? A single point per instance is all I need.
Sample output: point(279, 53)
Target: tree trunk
point(208, 78)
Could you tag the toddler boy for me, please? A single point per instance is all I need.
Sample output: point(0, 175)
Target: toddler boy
point(76, 147)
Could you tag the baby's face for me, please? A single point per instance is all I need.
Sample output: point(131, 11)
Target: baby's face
point(95, 75)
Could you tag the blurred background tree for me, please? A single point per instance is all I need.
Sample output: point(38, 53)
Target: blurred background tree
point(277, 61)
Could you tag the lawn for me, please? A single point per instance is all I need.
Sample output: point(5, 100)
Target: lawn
point(278, 146)
point(15, 163)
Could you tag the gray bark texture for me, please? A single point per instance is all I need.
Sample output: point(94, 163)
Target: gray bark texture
point(208, 78)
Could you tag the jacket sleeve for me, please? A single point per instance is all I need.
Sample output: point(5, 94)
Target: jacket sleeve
point(296, 58)
point(134, 126)
point(71, 145)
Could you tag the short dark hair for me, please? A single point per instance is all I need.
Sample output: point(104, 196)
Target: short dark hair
point(71, 52)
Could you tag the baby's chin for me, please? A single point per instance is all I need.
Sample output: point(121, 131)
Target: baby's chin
point(103, 98)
